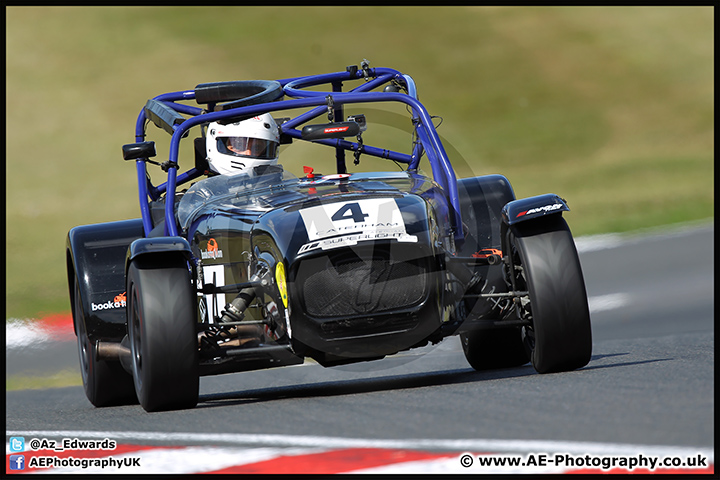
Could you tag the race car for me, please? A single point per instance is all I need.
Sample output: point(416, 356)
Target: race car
point(262, 269)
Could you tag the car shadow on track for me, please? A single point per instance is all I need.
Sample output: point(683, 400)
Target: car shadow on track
point(393, 382)
point(366, 385)
point(594, 358)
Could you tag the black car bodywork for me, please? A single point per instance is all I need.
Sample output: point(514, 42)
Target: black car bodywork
point(264, 270)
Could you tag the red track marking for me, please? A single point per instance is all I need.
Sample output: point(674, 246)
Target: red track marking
point(336, 461)
point(327, 462)
point(59, 326)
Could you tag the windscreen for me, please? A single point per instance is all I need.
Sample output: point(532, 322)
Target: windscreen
point(232, 191)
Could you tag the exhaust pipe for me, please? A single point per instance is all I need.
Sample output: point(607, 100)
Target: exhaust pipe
point(115, 352)
point(111, 351)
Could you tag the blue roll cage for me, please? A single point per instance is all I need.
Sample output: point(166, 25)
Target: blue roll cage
point(429, 141)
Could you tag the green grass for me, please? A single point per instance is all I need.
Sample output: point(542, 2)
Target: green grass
point(612, 108)
point(64, 378)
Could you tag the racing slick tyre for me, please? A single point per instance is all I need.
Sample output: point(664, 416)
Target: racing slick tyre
point(106, 383)
point(490, 349)
point(161, 328)
point(560, 337)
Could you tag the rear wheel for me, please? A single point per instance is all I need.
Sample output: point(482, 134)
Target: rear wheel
point(489, 349)
point(105, 383)
point(161, 328)
point(546, 263)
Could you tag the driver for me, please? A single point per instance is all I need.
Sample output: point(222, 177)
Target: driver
point(240, 153)
point(246, 147)
point(240, 147)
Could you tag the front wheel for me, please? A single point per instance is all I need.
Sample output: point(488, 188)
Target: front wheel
point(161, 328)
point(545, 261)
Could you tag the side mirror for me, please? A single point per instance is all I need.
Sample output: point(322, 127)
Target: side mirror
point(134, 151)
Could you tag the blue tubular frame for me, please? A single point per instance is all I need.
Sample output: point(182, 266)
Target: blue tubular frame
point(430, 142)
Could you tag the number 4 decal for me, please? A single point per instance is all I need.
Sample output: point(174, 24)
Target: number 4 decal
point(367, 216)
point(350, 211)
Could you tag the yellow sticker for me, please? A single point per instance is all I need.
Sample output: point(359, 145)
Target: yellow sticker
point(281, 283)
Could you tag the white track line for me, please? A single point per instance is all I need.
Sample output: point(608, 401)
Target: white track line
point(611, 301)
point(592, 243)
point(21, 334)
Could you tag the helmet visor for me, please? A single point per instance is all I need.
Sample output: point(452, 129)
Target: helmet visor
point(248, 147)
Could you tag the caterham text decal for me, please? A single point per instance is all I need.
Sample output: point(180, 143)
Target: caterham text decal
point(346, 223)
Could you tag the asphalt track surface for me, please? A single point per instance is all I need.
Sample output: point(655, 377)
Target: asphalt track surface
point(650, 380)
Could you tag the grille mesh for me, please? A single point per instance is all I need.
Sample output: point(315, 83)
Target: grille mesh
point(353, 286)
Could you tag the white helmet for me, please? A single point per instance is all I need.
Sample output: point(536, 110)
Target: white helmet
point(239, 147)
